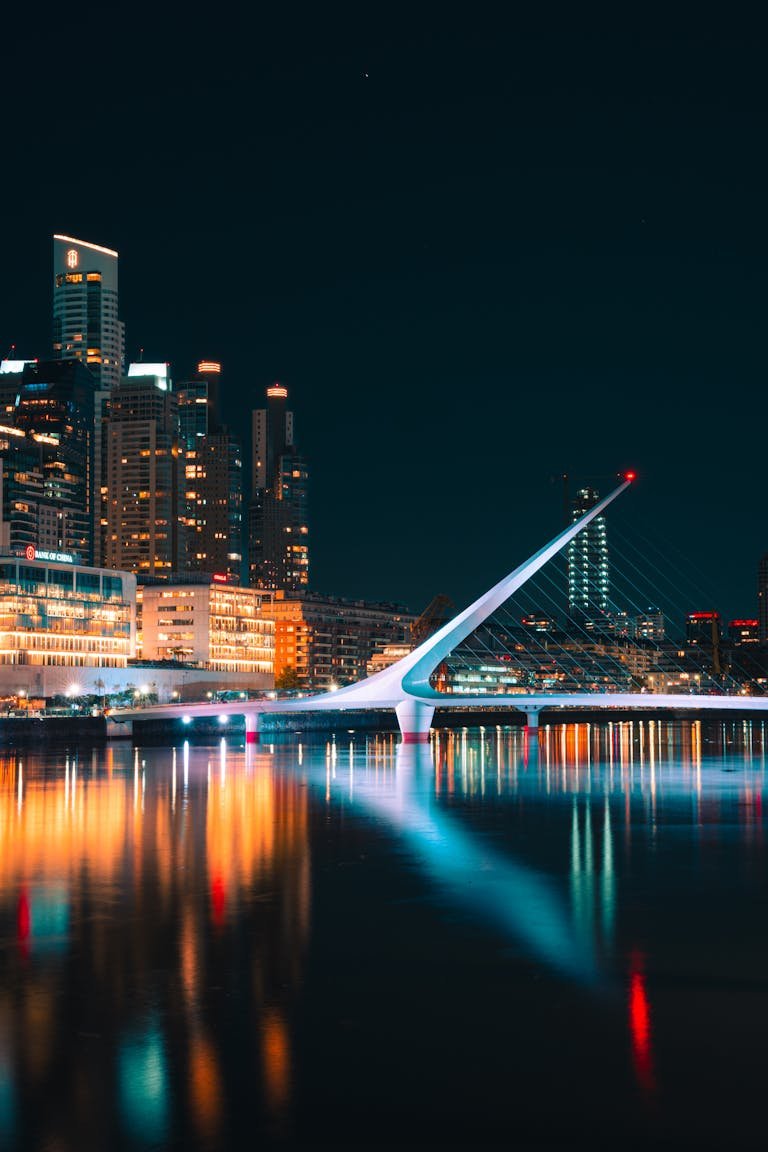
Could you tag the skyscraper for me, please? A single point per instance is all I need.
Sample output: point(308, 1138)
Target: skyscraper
point(86, 327)
point(212, 505)
point(278, 528)
point(588, 568)
point(143, 477)
point(46, 451)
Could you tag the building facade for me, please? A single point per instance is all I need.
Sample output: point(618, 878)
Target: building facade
point(142, 528)
point(213, 625)
point(278, 529)
point(323, 642)
point(58, 617)
point(46, 452)
point(212, 499)
point(213, 506)
point(588, 566)
point(87, 327)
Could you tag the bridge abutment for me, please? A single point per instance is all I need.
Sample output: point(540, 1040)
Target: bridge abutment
point(415, 720)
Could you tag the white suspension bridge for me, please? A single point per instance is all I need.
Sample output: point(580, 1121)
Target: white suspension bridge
point(405, 686)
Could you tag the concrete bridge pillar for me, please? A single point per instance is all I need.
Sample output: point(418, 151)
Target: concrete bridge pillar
point(532, 720)
point(415, 720)
point(252, 725)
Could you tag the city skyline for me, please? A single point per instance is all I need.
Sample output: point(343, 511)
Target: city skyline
point(581, 295)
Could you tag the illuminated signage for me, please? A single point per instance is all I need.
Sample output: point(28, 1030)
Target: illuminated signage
point(72, 258)
point(32, 553)
point(219, 577)
point(14, 365)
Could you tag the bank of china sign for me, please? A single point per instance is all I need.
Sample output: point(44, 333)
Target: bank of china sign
point(32, 553)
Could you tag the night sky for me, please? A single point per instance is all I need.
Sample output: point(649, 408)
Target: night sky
point(476, 259)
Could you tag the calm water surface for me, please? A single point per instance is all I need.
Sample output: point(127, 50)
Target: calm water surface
point(482, 941)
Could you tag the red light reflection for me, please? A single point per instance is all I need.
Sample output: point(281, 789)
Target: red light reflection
point(218, 900)
point(640, 1026)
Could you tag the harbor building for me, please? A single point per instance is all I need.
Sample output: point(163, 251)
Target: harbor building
point(61, 621)
point(210, 625)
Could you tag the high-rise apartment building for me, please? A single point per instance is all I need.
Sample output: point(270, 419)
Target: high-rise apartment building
point(588, 567)
point(278, 528)
point(143, 477)
point(86, 327)
point(46, 452)
point(212, 503)
point(213, 506)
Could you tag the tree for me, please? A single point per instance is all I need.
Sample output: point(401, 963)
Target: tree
point(288, 680)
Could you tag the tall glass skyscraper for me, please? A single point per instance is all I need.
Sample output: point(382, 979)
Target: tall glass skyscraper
point(278, 529)
point(86, 327)
point(46, 454)
point(588, 567)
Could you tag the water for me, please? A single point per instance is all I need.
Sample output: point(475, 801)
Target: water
point(479, 942)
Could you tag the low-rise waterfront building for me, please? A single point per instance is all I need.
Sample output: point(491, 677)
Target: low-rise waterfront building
point(327, 641)
point(212, 625)
point(58, 616)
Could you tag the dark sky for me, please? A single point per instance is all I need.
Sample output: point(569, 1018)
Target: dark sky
point(478, 259)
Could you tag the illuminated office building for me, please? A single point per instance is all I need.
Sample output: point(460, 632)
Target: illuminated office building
point(143, 477)
point(278, 529)
point(46, 451)
point(86, 327)
point(56, 614)
point(192, 399)
point(588, 567)
point(212, 625)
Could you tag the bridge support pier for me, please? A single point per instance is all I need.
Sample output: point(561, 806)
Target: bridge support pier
point(252, 724)
point(532, 721)
point(415, 720)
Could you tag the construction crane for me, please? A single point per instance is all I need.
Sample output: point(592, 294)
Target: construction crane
point(437, 612)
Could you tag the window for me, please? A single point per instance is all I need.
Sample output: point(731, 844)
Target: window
point(88, 582)
point(60, 579)
point(113, 587)
point(31, 576)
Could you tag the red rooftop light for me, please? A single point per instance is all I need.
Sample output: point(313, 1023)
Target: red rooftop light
point(630, 476)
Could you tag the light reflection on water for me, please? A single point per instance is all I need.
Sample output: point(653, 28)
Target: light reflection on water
point(157, 923)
